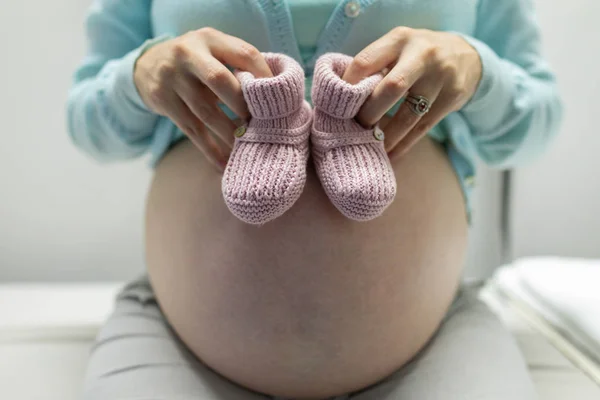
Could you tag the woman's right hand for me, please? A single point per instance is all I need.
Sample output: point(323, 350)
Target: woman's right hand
point(185, 78)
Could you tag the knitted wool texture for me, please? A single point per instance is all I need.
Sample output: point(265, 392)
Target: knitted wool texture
point(266, 172)
point(351, 162)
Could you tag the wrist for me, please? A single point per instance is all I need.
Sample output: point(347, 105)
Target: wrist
point(137, 75)
point(473, 64)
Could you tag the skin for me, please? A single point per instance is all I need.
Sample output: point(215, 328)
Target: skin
point(311, 296)
point(186, 77)
point(440, 66)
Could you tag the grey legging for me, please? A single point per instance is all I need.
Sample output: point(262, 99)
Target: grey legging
point(138, 357)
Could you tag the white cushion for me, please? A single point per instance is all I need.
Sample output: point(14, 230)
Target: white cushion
point(555, 376)
point(566, 292)
point(54, 311)
point(561, 300)
point(46, 332)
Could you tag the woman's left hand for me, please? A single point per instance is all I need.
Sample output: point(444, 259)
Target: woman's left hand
point(439, 66)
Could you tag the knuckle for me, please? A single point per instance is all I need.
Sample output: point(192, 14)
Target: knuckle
point(448, 69)
point(362, 62)
point(431, 52)
point(249, 52)
point(180, 50)
point(400, 33)
point(166, 71)
point(206, 32)
point(396, 85)
point(216, 76)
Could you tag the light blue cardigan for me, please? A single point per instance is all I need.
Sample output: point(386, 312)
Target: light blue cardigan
point(510, 119)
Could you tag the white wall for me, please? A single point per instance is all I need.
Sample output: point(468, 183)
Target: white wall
point(556, 202)
point(63, 217)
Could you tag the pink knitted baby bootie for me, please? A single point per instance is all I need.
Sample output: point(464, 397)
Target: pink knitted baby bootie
point(351, 161)
point(266, 172)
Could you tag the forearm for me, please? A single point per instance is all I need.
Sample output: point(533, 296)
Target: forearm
point(106, 117)
point(516, 109)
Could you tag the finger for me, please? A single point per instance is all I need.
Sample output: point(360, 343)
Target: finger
point(203, 103)
point(198, 134)
point(438, 112)
point(378, 55)
point(405, 118)
point(239, 54)
point(221, 81)
point(395, 85)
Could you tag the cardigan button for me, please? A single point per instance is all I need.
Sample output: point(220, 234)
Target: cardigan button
point(378, 133)
point(240, 131)
point(470, 181)
point(352, 9)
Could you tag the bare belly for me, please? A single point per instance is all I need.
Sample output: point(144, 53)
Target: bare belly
point(312, 304)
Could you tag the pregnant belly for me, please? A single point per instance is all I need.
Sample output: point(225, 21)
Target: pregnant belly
point(312, 304)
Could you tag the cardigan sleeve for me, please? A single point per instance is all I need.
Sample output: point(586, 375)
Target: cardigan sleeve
point(106, 117)
point(516, 109)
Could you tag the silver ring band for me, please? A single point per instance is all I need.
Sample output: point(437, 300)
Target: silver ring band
point(418, 104)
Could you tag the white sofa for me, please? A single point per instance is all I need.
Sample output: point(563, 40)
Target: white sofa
point(46, 331)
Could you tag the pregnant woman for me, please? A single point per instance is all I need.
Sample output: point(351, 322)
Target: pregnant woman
point(312, 304)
